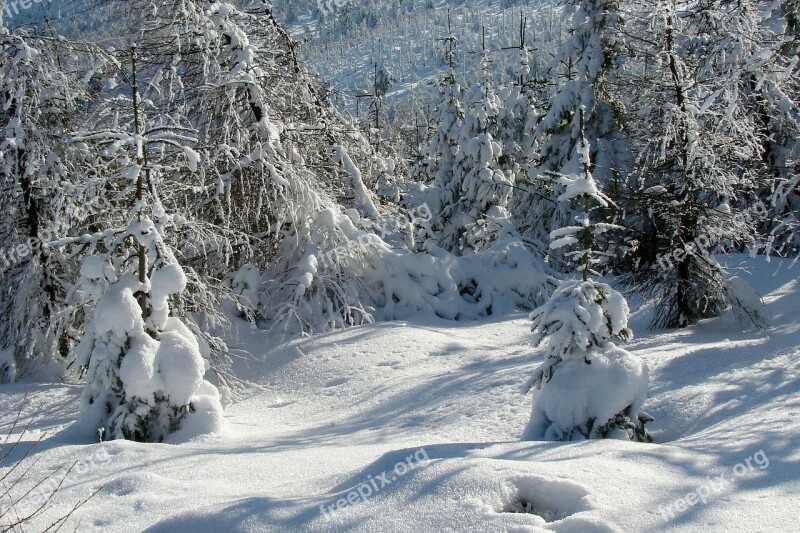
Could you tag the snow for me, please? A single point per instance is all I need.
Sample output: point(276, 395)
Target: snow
point(93, 267)
point(192, 158)
point(579, 391)
point(169, 279)
point(576, 186)
point(339, 410)
point(363, 197)
point(138, 371)
point(181, 366)
point(118, 312)
point(747, 304)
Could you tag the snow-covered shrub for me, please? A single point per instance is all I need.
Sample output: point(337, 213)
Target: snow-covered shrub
point(315, 283)
point(144, 368)
point(503, 278)
point(587, 387)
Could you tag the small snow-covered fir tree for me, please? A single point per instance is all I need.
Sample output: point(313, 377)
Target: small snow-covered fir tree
point(587, 386)
point(144, 369)
point(144, 376)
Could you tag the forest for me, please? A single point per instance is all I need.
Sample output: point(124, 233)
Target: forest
point(199, 196)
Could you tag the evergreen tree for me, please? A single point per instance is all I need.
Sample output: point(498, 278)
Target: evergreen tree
point(694, 140)
point(474, 201)
point(587, 387)
point(582, 69)
point(144, 368)
point(443, 149)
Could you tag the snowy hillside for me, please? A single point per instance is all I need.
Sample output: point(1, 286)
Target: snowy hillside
point(404, 43)
point(415, 427)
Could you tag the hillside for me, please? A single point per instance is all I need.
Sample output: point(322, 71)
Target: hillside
point(406, 41)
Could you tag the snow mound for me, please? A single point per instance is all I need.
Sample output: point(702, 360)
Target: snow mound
point(747, 306)
point(582, 397)
point(502, 279)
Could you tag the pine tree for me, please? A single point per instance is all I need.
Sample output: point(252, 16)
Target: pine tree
point(587, 387)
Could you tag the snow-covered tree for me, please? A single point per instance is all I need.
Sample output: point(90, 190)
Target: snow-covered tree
point(473, 207)
point(43, 91)
point(581, 70)
point(264, 167)
point(144, 368)
point(695, 142)
point(587, 386)
point(775, 79)
point(584, 63)
point(443, 147)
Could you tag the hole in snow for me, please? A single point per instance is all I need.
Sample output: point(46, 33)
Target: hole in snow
point(551, 499)
point(522, 505)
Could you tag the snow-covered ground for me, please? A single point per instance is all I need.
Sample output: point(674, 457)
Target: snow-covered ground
point(411, 427)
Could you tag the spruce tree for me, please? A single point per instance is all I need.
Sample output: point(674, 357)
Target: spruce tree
point(587, 387)
point(582, 71)
point(474, 201)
